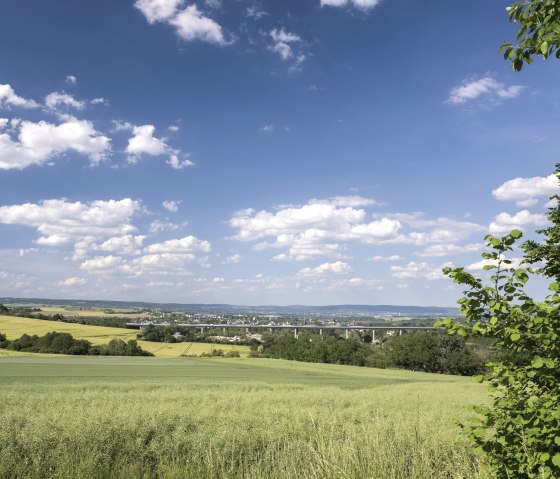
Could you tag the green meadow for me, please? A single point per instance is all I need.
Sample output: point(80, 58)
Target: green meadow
point(13, 327)
point(118, 417)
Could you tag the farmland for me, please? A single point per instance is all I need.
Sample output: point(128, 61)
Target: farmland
point(250, 418)
point(13, 327)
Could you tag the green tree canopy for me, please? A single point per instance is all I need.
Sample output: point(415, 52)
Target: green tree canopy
point(539, 31)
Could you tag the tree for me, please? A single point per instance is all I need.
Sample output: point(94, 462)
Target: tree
point(539, 32)
point(519, 431)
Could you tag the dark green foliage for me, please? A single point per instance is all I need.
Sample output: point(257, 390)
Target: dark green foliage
point(420, 351)
point(434, 353)
point(64, 343)
point(519, 431)
point(539, 31)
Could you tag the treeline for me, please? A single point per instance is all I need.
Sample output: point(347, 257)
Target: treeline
point(432, 352)
point(65, 343)
point(179, 334)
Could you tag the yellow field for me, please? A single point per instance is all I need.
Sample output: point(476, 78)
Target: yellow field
point(14, 327)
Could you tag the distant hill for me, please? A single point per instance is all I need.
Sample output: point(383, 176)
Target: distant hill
point(292, 310)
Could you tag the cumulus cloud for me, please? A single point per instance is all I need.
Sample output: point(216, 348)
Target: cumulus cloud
point(189, 23)
point(124, 245)
point(38, 143)
point(449, 249)
point(486, 87)
point(394, 257)
point(188, 244)
point(479, 265)
point(504, 222)
point(8, 98)
point(324, 269)
point(71, 79)
point(73, 281)
point(419, 270)
point(60, 222)
point(233, 259)
point(56, 99)
point(143, 142)
point(158, 226)
point(362, 4)
point(526, 191)
point(317, 228)
point(172, 205)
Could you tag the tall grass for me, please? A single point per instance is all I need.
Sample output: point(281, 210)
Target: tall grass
point(226, 425)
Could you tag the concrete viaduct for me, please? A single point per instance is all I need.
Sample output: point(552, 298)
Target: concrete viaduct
point(295, 327)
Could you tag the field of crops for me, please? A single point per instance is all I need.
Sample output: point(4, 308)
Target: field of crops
point(95, 417)
point(14, 327)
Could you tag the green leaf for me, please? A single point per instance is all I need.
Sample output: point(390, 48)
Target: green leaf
point(516, 234)
point(515, 337)
point(544, 48)
point(537, 362)
point(556, 459)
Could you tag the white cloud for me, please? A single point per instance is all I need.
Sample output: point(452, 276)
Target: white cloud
point(172, 205)
point(486, 87)
point(233, 259)
point(188, 244)
point(159, 226)
point(70, 79)
point(504, 222)
point(189, 23)
point(192, 24)
point(446, 249)
point(173, 128)
point(479, 265)
point(99, 101)
point(288, 46)
point(55, 99)
point(419, 270)
point(525, 191)
point(60, 222)
point(39, 142)
point(8, 98)
point(394, 257)
point(362, 4)
point(73, 281)
point(218, 280)
point(326, 268)
point(266, 129)
point(158, 10)
point(124, 245)
point(177, 164)
point(102, 263)
point(143, 142)
point(255, 12)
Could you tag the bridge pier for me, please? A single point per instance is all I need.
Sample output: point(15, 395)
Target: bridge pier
point(224, 331)
point(247, 330)
point(400, 332)
point(321, 331)
point(295, 333)
point(373, 335)
point(347, 333)
point(202, 330)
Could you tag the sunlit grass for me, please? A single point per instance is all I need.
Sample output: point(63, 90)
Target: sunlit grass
point(239, 418)
point(13, 327)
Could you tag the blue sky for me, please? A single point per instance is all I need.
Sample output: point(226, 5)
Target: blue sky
point(258, 152)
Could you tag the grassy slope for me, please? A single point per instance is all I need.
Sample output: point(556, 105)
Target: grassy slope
point(237, 418)
point(14, 327)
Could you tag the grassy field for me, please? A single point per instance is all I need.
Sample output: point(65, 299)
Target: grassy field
point(13, 327)
point(92, 417)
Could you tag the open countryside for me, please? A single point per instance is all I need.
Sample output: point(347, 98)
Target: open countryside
point(14, 327)
point(229, 418)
